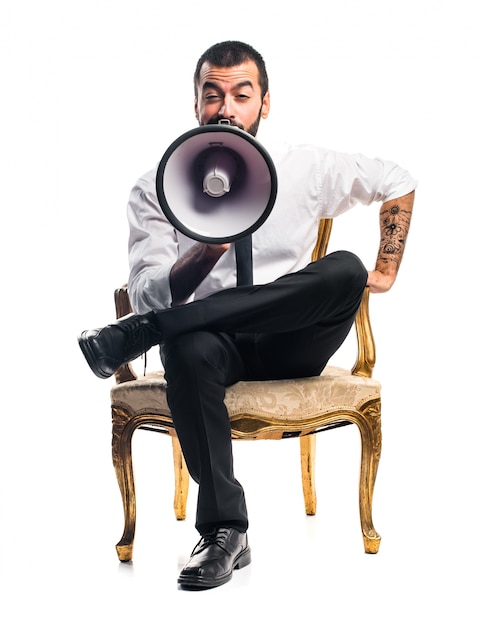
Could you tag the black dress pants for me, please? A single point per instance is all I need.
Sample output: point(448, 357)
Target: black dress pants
point(285, 329)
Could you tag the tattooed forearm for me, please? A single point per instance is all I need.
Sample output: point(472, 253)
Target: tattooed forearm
point(394, 221)
point(395, 218)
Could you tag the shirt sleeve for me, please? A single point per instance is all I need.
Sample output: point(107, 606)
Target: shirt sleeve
point(152, 248)
point(349, 179)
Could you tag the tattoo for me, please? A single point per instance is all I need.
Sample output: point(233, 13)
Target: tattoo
point(394, 229)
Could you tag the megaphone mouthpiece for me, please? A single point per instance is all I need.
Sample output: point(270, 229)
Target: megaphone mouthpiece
point(219, 172)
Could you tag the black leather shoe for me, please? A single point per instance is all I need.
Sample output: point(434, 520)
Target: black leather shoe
point(214, 558)
point(107, 349)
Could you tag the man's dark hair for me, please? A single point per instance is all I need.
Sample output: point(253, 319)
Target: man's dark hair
point(230, 54)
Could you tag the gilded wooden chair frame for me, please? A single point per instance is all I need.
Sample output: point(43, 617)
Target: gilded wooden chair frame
point(250, 427)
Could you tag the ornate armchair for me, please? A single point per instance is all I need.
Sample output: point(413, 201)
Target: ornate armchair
point(260, 410)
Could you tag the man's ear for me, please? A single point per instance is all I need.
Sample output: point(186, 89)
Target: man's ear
point(197, 115)
point(265, 106)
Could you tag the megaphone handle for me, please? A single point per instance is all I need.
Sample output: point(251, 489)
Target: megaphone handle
point(244, 261)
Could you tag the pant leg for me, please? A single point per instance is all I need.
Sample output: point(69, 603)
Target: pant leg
point(297, 354)
point(198, 367)
point(309, 309)
point(326, 292)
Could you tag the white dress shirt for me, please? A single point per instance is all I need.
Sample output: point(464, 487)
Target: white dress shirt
point(313, 183)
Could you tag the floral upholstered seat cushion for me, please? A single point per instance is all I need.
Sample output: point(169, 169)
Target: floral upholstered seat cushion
point(290, 399)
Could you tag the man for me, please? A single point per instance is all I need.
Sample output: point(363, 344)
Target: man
point(213, 333)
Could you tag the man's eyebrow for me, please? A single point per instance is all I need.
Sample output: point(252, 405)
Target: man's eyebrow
point(244, 83)
point(211, 85)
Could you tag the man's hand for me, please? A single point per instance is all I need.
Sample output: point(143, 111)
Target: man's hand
point(221, 247)
point(379, 282)
point(192, 268)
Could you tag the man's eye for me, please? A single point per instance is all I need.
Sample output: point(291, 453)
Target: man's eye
point(211, 97)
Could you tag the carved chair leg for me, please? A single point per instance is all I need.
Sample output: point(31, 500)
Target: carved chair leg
point(122, 462)
point(182, 479)
point(371, 439)
point(308, 462)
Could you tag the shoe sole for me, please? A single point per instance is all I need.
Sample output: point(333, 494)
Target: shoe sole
point(90, 357)
point(196, 583)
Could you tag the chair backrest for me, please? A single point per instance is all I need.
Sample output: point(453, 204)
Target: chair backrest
point(366, 355)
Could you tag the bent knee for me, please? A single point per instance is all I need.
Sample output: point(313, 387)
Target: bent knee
point(349, 267)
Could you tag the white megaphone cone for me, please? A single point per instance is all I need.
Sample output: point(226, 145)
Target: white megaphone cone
point(216, 184)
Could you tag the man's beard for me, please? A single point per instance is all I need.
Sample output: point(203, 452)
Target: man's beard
point(252, 130)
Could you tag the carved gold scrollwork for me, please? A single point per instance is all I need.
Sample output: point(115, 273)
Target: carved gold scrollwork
point(373, 413)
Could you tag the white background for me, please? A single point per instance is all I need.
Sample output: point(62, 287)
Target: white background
point(92, 94)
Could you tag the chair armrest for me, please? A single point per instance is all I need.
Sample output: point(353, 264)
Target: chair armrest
point(123, 307)
point(324, 233)
point(366, 359)
point(122, 302)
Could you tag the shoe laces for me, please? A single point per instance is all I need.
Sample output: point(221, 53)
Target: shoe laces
point(135, 330)
point(138, 331)
point(216, 536)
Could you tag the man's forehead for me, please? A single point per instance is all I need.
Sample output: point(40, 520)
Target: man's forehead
point(237, 74)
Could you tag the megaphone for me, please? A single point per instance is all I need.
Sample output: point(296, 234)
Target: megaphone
point(216, 184)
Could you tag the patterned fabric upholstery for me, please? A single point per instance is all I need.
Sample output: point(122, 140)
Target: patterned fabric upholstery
point(292, 399)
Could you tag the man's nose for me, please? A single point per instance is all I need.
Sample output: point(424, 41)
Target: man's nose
point(226, 109)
